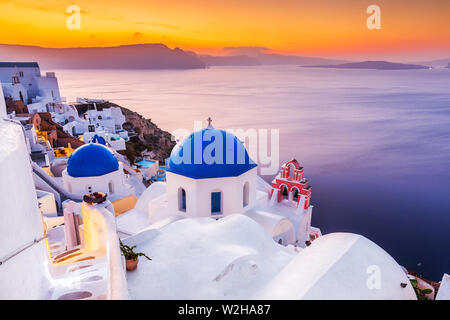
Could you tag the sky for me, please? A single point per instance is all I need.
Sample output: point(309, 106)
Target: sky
point(410, 30)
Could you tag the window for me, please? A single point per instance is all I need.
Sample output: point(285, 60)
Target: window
point(89, 189)
point(21, 74)
point(216, 203)
point(181, 199)
point(110, 187)
point(291, 171)
point(245, 195)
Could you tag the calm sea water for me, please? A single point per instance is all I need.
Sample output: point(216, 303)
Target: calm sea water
point(375, 144)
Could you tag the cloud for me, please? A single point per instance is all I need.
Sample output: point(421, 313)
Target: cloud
point(160, 25)
point(138, 35)
point(245, 50)
point(51, 9)
point(255, 48)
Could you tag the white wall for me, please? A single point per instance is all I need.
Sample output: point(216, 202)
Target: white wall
point(47, 202)
point(23, 275)
point(28, 79)
point(79, 185)
point(14, 90)
point(36, 107)
point(81, 126)
point(48, 86)
point(2, 103)
point(198, 193)
point(302, 233)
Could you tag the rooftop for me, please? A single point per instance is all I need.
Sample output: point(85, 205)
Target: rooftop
point(19, 64)
point(194, 156)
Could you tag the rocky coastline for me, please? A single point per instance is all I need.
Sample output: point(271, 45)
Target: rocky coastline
point(146, 138)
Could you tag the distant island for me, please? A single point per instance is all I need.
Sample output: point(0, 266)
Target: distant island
point(160, 56)
point(149, 56)
point(266, 57)
point(377, 65)
point(141, 56)
point(241, 60)
point(448, 65)
point(440, 63)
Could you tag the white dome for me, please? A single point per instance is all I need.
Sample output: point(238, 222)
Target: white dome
point(340, 266)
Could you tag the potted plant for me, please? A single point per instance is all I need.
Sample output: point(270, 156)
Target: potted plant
point(131, 257)
point(420, 293)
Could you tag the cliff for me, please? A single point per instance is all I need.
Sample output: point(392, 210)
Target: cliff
point(142, 56)
point(148, 135)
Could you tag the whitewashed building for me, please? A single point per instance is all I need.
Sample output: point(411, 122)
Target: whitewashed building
point(23, 81)
point(108, 119)
point(210, 174)
point(94, 168)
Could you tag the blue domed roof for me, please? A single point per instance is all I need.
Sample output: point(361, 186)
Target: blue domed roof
point(91, 160)
point(210, 153)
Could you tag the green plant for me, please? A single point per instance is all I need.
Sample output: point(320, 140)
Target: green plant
point(129, 254)
point(420, 293)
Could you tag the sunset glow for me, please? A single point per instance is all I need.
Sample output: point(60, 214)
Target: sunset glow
point(410, 29)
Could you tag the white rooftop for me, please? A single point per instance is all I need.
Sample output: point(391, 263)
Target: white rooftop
point(206, 259)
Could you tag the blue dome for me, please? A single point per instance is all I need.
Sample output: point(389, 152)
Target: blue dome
point(220, 154)
point(99, 139)
point(91, 160)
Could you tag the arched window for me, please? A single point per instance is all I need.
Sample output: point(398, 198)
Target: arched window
point(291, 171)
point(182, 199)
point(245, 195)
point(110, 187)
point(216, 203)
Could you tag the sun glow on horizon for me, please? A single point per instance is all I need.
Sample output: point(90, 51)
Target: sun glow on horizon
point(315, 28)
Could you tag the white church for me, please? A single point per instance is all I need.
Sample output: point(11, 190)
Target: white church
point(196, 187)
point(95, 168)
point(210, 174)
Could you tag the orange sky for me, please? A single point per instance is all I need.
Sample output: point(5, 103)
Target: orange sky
point(332, 28)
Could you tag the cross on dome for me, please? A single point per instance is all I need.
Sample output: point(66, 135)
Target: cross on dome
point(209, 123)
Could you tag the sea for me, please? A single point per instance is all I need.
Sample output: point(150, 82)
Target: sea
point(374, 144)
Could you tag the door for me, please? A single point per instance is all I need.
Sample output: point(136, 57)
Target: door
point(216, 203)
